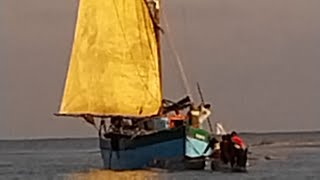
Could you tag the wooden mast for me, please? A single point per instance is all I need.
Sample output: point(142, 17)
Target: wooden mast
point(154, 9)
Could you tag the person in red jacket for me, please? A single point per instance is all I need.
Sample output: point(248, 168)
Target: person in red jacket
point(237, 140)
point(240, 150)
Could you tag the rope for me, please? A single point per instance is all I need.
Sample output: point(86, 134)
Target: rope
point(177, 57)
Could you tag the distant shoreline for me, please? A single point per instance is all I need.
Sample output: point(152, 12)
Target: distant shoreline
point(93, 137)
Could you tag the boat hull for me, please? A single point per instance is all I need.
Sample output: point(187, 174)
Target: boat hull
point(141, 157)
point(172, 145)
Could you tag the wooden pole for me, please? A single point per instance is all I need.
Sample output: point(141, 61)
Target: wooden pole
point(202, 100)
point(154, 10)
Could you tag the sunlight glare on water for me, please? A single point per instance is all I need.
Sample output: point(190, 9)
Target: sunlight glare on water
point(115, 175)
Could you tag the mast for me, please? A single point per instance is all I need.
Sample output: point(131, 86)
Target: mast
point(154, 8)
point(202, 100)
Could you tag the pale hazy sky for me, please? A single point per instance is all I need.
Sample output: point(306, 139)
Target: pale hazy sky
point(257, 62)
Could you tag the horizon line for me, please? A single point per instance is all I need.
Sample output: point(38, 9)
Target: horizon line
point(94, 137)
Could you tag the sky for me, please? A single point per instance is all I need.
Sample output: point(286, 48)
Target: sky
point(257, 63)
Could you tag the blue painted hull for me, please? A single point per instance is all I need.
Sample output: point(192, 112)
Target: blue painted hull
point(141, 157)
point(195, 148)
point(140, 153)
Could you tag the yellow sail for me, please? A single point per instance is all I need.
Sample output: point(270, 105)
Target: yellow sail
point(114, 67)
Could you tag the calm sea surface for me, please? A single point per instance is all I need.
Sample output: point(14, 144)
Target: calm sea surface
point(293, 156)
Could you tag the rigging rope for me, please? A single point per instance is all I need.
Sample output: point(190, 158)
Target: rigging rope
point(177, 57)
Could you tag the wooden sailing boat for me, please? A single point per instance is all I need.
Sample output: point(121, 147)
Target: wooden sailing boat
point(115, 73)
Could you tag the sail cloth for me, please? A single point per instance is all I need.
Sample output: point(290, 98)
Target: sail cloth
point(219, 129)
point(114, 67)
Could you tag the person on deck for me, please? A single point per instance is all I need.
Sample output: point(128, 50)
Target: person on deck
point(194, 115)
point(204, 113)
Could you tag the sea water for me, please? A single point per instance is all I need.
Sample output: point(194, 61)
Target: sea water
point(293, 156)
